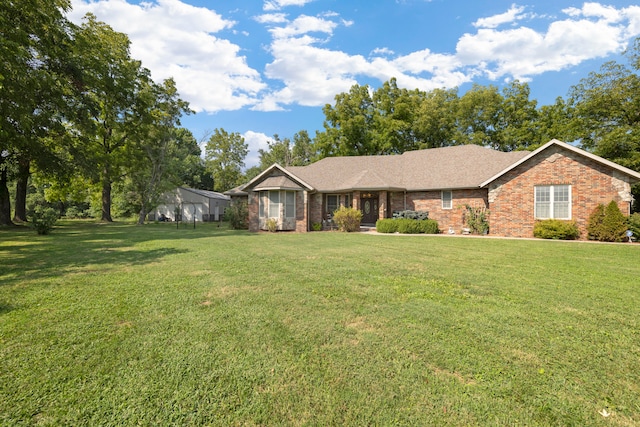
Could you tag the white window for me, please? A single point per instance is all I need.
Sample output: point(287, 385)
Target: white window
point(553, 202)
point(261, 199)
point(290, 204)
point(274, 204)
point(447, 200)
point(332, 203)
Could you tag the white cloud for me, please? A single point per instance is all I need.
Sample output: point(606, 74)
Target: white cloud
point(271, 18)
point(302, 25)
point(187, 42)
point(279, 4)
point(591, 32)
point(513, 14)
point(381, 51)
point(255, 142)
point(174, 39)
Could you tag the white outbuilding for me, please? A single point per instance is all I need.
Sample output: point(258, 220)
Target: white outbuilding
point(185, 203)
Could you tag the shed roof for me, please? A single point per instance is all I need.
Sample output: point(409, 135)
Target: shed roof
point(206, 193)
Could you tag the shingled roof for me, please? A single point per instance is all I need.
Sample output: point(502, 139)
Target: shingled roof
point(464, 166)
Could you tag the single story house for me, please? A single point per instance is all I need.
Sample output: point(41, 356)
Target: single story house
point(557, 180)
point(185, 203)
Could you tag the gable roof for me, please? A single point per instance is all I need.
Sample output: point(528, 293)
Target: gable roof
point(462, 166)
point(555, 142)
point(267, 180)
point(446, 168)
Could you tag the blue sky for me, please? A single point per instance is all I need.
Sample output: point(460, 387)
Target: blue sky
point(265, 67)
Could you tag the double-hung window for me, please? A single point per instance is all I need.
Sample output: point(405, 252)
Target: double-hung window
point(274, 204)
point(289, 204)
point(553, 202)
point(447, 200)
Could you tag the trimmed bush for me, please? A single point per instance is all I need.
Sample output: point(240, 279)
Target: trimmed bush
point(607, 224)
point(347, 219)
point(556, 229)
point(387, 225)
point(429, 226)
point(407, 226)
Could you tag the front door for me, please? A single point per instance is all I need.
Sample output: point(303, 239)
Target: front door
point(369, 207)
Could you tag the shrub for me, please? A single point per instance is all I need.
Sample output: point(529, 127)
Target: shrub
point(614, 224)
point(477, 219)
point(43, 219)
point(556, 229)
point(347, 219)
point(607, 224)
point(634, 224)
point(407, 226)
point(316, 226)
point(272, 225)
point(238, 216)
point(409, 214)
point(428, 226)
point(387, 225)
point(594, 226)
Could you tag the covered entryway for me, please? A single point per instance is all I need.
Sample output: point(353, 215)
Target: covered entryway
point(369, 208)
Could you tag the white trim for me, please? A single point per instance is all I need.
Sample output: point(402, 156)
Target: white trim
point(552, 201)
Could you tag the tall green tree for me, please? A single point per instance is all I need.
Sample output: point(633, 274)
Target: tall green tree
point(34, 73)
point(607, 111)
point(394, 117)
point(555, 121)
point(113, 105)
point(435, 122)
point(224, 155)
point(304, 149)
point(348, 126)
point(517, 117)
point(278, 151)
point(154, 153)
point(478, 116)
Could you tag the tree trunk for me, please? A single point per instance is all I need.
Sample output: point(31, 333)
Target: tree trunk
point(22, 184)
point(5, 200)
point(106, 200)
point(142, 215)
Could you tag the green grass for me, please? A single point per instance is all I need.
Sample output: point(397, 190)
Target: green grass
point(124, 325)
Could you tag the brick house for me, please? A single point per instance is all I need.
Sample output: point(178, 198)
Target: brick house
point(557, 180)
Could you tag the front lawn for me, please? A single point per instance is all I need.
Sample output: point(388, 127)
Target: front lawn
point(157, 325)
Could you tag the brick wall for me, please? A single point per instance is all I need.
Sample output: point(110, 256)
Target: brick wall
point(511, 197)
point(431, 201)
point(254, 221)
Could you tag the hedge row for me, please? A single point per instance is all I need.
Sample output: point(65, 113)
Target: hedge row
point(407, 226)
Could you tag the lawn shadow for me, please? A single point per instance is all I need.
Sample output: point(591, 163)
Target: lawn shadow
point(73, 246)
